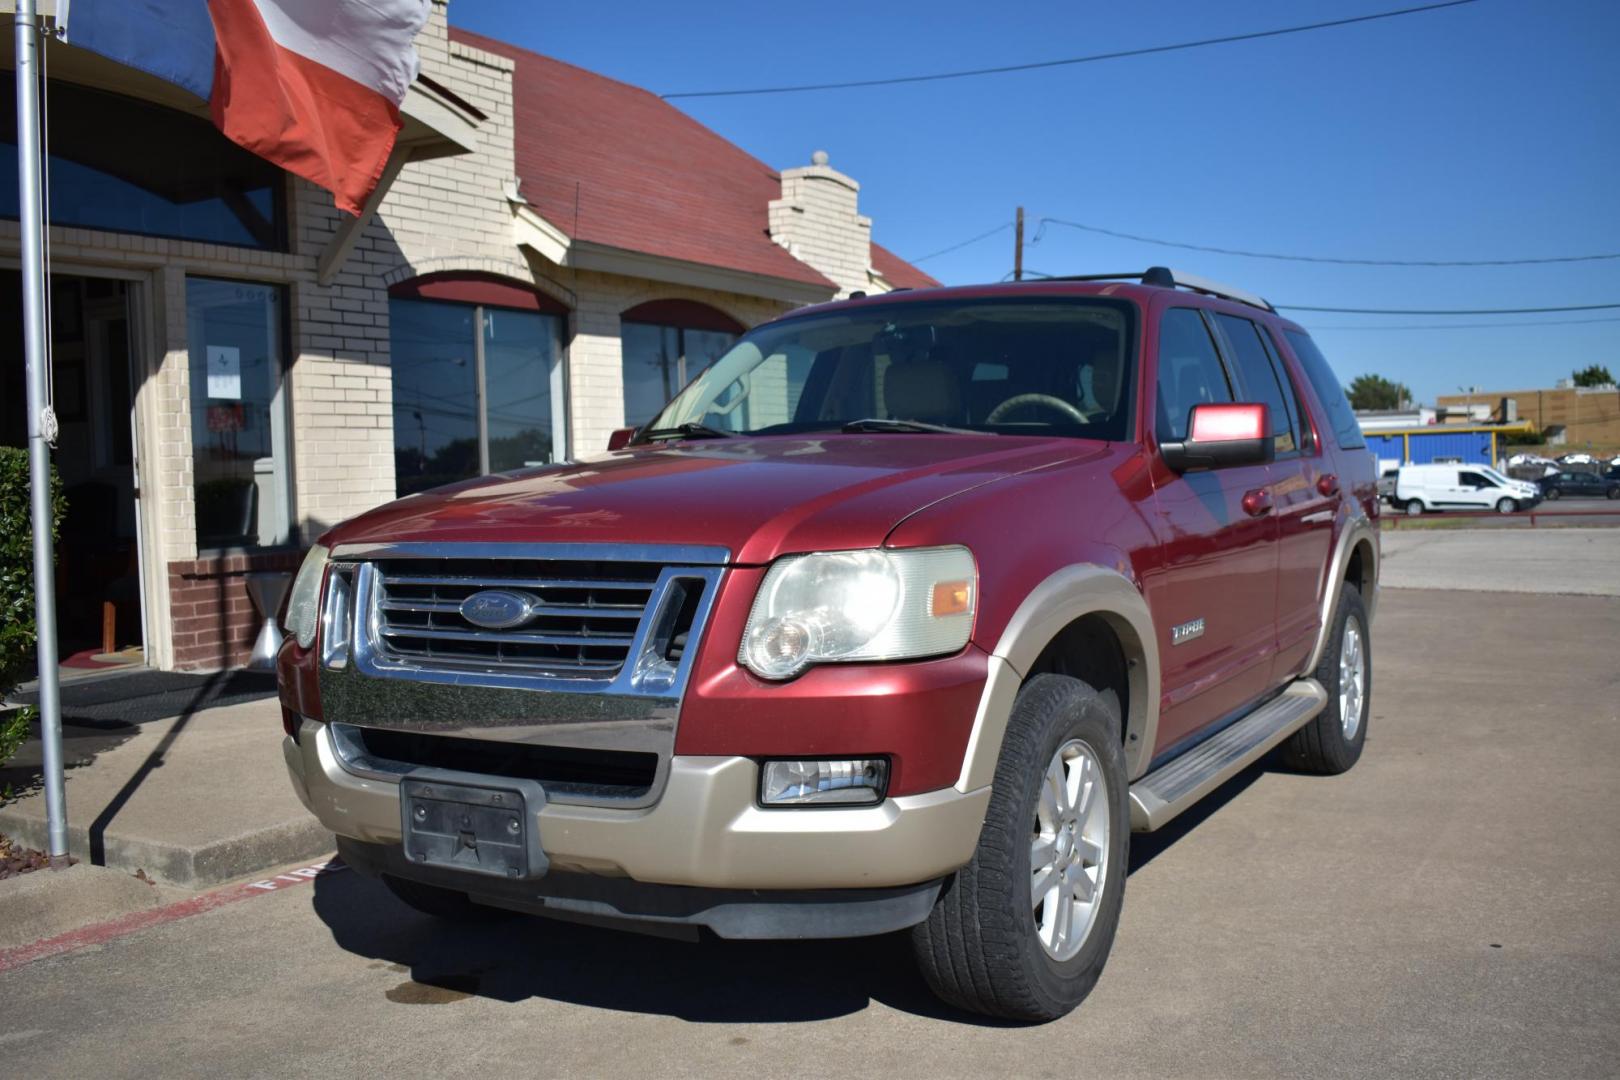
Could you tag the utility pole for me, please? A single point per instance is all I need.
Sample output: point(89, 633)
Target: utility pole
point(1018, 248)
point(32, 215)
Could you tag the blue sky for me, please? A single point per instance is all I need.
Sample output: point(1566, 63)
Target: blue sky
point(1485, 131)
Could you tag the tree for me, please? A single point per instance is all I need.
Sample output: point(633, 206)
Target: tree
point(1596, 375)
point(1377, 392)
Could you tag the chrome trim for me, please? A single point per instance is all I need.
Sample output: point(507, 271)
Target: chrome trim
point(683, 554)
point(1186, 778)
point(633, 705)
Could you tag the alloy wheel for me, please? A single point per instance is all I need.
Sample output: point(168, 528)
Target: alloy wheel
point(1068, 856)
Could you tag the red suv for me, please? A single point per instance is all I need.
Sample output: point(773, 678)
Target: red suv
point(903, 615)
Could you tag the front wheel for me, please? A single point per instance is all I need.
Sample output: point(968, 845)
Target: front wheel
point(1331, 743)
point(1024, 929)
point(1506, 506)
point(1553, 494)
point(1613, 493)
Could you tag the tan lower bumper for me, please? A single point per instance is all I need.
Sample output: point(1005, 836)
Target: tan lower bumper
point(706, 829)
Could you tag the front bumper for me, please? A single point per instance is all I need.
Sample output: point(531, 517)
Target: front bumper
point(705, 830)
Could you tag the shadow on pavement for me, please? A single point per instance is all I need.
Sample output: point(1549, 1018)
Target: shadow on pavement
point(515, 958)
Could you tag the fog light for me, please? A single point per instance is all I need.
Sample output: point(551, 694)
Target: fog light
point(797, 783)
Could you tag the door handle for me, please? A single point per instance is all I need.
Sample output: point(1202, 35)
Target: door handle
point(1257, 502)
point(1327, 484)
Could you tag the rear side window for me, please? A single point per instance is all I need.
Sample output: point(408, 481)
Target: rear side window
point(1190, 371)
point(1258, 379)
point(1340, 416)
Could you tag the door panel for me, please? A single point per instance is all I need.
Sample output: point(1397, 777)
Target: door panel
point(1213, 596)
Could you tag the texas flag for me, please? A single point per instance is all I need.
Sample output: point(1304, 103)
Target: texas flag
point(312, 85)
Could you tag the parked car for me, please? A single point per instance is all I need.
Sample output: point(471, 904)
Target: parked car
point(1421, 488)
point(903, 615)
point(1581, 484)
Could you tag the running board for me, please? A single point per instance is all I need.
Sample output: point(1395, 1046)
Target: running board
point(1177, 784)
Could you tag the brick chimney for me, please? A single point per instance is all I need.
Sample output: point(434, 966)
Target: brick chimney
point(818, 222)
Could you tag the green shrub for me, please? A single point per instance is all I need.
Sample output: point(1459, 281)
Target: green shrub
point(17, 658)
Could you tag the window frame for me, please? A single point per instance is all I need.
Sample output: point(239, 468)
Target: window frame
point(1235, 369)
point(281, 424)
point(557, 378)
point(1158, 362)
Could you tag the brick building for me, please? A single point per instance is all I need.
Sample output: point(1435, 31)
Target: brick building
point(238, 366)
point(1573, 416)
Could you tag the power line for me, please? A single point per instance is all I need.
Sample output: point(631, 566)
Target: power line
point(1091, 59)
point(1470, 326)
point(1402, 311)
point(1446, 311)
point(1003, 227)
point(1323, 258)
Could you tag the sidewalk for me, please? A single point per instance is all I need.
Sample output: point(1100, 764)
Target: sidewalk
point(192, 800)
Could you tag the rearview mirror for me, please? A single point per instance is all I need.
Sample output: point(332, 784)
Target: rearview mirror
point(1219, 436)
point(621, 438)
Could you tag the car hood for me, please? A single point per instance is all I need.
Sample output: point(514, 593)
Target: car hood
point(755, 497)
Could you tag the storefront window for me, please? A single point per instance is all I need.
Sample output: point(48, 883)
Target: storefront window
point(660, 358)
point(477, 389)
point(238, 415)
point(128, 166)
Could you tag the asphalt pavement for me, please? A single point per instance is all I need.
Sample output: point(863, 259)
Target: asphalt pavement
point(1450, 907)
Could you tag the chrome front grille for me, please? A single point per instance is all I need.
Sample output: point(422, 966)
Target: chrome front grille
point(584, 614)
point(593, 667)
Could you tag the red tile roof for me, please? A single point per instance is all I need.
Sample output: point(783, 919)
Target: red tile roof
point(609, 163)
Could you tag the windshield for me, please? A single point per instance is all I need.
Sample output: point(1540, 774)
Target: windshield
point(1501, 481)
point(1043, 367)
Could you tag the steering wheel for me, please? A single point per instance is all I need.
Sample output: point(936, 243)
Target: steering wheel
point(1046, 401)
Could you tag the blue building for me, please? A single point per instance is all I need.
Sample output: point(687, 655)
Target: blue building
point(1472, 445)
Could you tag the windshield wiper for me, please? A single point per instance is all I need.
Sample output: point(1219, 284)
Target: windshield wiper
point(872, 423)
point(689, 430)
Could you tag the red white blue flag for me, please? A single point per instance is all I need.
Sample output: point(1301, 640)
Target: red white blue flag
point(311, 85)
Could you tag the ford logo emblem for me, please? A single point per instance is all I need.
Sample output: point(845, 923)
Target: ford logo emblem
point(498, 609)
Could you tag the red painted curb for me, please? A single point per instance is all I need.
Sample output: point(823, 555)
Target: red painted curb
point(99, 933)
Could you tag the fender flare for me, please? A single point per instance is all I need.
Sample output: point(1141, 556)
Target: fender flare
point(1357, 531)
point(1064, 596)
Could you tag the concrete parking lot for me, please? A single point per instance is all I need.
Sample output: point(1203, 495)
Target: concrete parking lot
point(1451, 907)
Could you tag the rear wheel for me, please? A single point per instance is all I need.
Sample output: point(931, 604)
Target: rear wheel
point(1024, 929)
point(446, 904)
point(1332, 742)
point(1414, 507)
point(1506, 506)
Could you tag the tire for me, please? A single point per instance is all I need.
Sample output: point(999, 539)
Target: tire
point(1327, 745)
point(1553, 494)
point(1506, 506)
point(440, 903)
point(980, 949)
point(1612, 493)
point(1414, 508)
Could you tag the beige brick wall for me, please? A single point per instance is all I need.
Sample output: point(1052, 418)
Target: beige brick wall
point(818, 221)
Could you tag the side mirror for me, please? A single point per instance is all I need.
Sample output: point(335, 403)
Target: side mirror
point(621, 438)
point(1219, 436)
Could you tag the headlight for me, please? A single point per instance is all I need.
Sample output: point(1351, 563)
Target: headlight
point(304, 604)
point(859, 605)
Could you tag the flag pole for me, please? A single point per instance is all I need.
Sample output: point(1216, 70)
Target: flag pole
point(40, 429)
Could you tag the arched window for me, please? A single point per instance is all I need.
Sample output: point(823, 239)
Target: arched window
point(666, 344)
point(478, 378)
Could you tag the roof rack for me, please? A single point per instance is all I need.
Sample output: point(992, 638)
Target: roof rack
point(1167, 278)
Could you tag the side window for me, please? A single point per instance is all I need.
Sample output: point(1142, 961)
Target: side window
point(1257, 378)
point(1190, 371)
point(1340, 416)
point(1473, 480)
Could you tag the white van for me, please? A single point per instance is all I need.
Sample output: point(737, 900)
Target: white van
point(1460, 487)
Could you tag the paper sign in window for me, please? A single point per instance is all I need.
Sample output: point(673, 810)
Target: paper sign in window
point(225, 372)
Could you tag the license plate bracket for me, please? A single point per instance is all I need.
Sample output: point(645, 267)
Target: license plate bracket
point(472, 824)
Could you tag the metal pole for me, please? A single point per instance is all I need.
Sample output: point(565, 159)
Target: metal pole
point(31, 209)
point(1018, 247)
